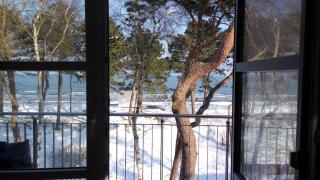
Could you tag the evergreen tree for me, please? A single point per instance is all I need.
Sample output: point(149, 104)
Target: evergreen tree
point(117, 53)
point(141, 63)
point(204, 47)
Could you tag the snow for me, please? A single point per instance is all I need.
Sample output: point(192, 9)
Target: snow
point(211, 147)
point(211, 150)
point(211, 137)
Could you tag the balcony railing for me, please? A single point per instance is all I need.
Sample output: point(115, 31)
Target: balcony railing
point(157, 143)
point(52, 145)
point(64, 145)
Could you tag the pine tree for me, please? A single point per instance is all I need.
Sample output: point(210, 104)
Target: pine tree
point(203, 48)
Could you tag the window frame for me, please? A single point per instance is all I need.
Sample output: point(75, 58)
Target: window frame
point(285, 63)
point(95, 67)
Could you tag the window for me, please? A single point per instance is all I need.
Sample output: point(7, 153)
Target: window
point(271, 29)
point(270, 120)
point(57, 55)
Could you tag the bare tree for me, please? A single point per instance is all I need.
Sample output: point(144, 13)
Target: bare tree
point(266, 36)
point(47, 27)
point(6, 53)
point(11, 92)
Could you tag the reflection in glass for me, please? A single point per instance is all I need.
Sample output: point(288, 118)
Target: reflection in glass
point(33, 30)
point(268, 124)
point(42, 140)
point(43, 145)
point(272, 29)
point(66, 89)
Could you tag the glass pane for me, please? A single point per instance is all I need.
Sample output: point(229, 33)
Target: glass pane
point(33, 30)
point(269, 113)
point(272, 29)
point(64, 88)
point(43, 140)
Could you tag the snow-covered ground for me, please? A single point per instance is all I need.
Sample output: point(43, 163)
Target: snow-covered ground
point(211, 143)
point(155, 140)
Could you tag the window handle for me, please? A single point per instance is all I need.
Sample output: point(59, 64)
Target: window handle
point(294, 159)
point(92, 126)
point(317, 137)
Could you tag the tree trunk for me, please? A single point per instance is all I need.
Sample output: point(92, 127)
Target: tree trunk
point(206, 85)
point(189, 151)
point(135, 132)
point(60, 84)
point(177, 158)
point(260, 133)
point(14, 105)
point(1, 96)
point(188, 141)
point(133, 99)
point(261, 87)
point(43, 86)
point(194, 71)
point(136, 102)
point(70, 94)
point(193, 101)
point(259, 136)
point(6, 56)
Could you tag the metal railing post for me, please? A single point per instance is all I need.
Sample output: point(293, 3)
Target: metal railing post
point(228, 142)
point(7, 131)
point(227, 150)
point(35, 140)
point(161, 150)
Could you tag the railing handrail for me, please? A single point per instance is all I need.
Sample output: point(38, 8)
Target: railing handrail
point(44, 123)
point(171, 115)
point(44, 113)
point(164, 124)
point(118, 114)
point(128, 114)
point(141, 124)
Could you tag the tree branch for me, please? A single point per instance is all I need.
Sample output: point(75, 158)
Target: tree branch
point(67, 25)
point(11, 96)
point(200, 69)
point(207, 100)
